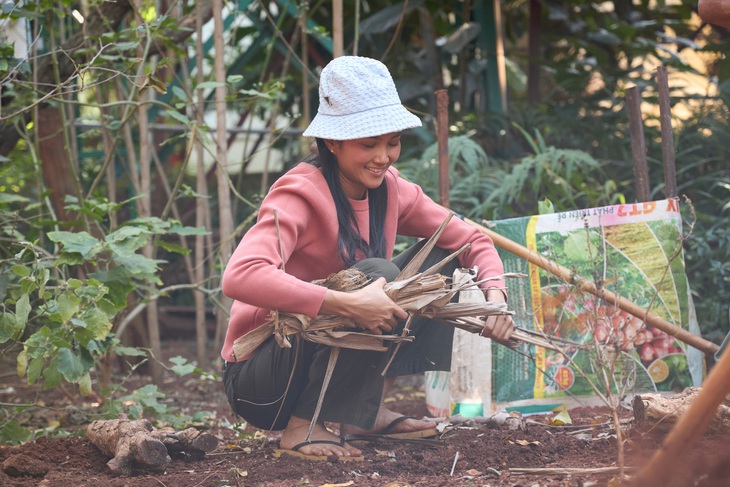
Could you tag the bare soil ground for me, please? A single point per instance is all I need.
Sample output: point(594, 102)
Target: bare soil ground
point(472, 455)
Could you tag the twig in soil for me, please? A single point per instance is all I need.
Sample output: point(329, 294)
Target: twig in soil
point(511, 421)
point(456, 459)
point(580, 432)
point(430, 443)
point(568, 471)
point(201, 482)
point(237, 452)
point(570, 426)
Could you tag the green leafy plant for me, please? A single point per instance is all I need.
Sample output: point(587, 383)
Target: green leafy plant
point(58, 308)
point(487, 187)
point(473, 175)
point(570, 178)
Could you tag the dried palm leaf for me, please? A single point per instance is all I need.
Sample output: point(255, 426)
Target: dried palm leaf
point(421, 295)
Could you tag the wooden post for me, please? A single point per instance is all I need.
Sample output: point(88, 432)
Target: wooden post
point(638, 144)
point(689, 428)
point(567, 275)
point(665, 118)
point(442, 131)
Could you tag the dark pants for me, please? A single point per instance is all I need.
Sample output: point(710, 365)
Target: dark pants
point(276, 383)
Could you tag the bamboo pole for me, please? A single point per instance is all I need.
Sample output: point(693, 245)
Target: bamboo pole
point(356, 39)
point(111, 176)
point(337, 36)
point(202, 210)
point(442, 131)
point(556, 269)
point(689, 428)
point(225, 225)
point(144, 204)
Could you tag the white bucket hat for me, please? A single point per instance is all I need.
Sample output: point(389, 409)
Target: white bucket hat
point(357, 99)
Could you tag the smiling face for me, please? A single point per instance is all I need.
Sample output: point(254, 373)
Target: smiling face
point(363, 162)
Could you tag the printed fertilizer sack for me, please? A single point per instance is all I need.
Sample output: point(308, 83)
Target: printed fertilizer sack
point(631, 250)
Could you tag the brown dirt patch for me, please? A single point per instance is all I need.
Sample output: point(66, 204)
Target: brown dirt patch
point(486, 456)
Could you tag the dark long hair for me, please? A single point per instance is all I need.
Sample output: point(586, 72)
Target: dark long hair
point(349, 239)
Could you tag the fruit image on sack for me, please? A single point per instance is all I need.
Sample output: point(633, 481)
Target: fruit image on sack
point(634, 251)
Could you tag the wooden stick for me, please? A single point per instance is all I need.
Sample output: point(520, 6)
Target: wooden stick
point(565, 471)
point(689, 428)
point(571, 277)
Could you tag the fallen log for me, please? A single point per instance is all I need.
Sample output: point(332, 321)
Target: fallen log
point(659, 412)
point(136, 444)
point(129, 443)
point(192, 442)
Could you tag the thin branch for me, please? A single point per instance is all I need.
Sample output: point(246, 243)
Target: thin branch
point(397, 31)
point(57, 87)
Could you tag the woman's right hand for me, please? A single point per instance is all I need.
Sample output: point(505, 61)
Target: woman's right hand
point(370, 307)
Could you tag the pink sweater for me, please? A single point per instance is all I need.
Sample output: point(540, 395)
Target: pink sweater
point(254, 278)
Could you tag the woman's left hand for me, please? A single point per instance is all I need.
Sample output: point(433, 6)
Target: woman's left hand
point(498, 327)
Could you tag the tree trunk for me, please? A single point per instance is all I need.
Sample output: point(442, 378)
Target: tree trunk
point(57, 170)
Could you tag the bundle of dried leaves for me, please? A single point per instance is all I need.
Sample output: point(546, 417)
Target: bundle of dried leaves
point(427, 293)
